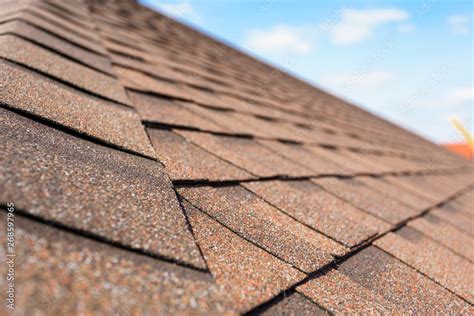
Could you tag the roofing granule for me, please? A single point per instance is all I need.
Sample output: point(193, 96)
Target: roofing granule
point(108, 193)
point(247, 273)
point(265, 226)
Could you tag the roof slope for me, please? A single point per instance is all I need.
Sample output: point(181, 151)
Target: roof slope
point(156, 170)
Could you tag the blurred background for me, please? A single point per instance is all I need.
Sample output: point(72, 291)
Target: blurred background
point(410, 62)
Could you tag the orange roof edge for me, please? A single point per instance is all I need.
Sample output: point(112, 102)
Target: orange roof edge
point(462, 149)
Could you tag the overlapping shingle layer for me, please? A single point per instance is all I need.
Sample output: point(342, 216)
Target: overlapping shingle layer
point(156, 170)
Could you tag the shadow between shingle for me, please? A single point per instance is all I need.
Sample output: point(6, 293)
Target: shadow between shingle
point(96, 189)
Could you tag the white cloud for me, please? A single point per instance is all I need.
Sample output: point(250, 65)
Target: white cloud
point(178, 9)
point(405, 28)
point(368, 80)
point(460, 24)
point(280, 39)
point(455, 98)
point(462, 95)
point(358, 25)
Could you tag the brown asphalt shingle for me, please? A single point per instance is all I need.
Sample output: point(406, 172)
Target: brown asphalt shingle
point(160, 110)
point(64, 34)
point(457, 219)
point(265, 226)
point(35, 94)
point(20, 51)
point(114, 195)
point(247, 273)
point(316, 165)
point(374, 282)
point(446, 234)
point(294, 305)
point(185, 161)
point(77, 53)
point(432, 259)
point(113, 117)
point(367, 199)
point(248, 154)
point(396, 193)
point(62, 273)
point(315, 207)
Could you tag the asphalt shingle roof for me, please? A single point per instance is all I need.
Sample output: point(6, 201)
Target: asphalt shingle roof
point(156, 170)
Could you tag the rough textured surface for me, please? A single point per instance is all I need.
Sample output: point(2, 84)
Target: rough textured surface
point(446, 234)
point(457, 219)
point(52, 101)
point(374, 282)
point(186, 161)
point(367, 199)
point(247, 273)
point(311, 205)
point(247, 154)
point(396, 193)
point(432, 259)
point(339, 294)
point(161, 110)
point(62, 273)
point(316, 164)
point(294, 305)
point(52, 27)
point(28, 54)
point(117, 196)
point(77, 53)
point(291, 186)
point(264, 225)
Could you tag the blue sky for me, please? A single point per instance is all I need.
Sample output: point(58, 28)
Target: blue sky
point(408, 61)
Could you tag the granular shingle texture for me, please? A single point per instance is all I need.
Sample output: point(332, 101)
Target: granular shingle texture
point(432, 259)
point(184, 160)
point(374, 282)
point(247, 154)
point(249, 274)
point(367, 199)
point(311, 205)
point(115, 195)
point(446, 234)
point(294, 305)
point(153, 170)
point(32, 56)
point(264, 225)
point(85, 114)
point(61, 273)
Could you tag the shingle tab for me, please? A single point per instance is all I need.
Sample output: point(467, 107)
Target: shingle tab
point(432, 259)
point(374, 282)
point(315, 207)
point(117, 196)
point(52, 101)
point(160, 110)
point(63, 22)
point(247, 154)
point(316, 165)
point(339, 294)
point(446, 234)
point(64, 47)
point(186, 161)
point(366, 199)
point(28, 54)
point(396, 192)
point(457, 219)
point(294, 305)
point(247, 273)
point(62, 273)
point(264, 225)
point(64, 34)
